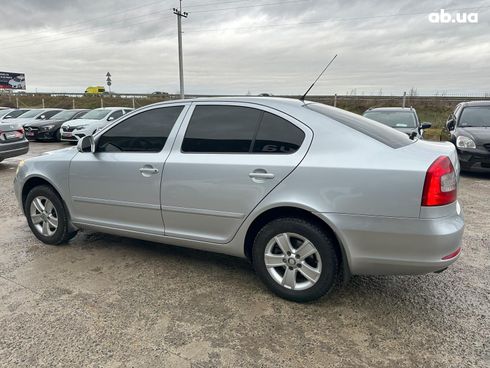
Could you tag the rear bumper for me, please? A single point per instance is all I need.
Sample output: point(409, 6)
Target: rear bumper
point(14, 149)
point(377, 245)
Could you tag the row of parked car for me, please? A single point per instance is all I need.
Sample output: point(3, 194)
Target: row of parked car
point(19, 126)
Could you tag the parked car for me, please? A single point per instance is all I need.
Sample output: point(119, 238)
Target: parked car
point(403, 119)
point(12, 114)
point(36, 115)
point(306, 191)
point(50, 129)
point(73, 130)
point(469, 129)
point(12, 141)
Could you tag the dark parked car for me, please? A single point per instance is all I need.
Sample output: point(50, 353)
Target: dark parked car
point(404, 119)
point(469, 129)
point(49, 129)
point(12, 141)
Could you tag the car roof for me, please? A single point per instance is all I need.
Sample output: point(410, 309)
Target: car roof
point(114, 108)
point(274, 102)
point(391, 109)
point(476, 103)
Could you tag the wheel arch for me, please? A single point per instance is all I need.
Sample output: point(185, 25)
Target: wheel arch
point(35, 181)
point(291, 211)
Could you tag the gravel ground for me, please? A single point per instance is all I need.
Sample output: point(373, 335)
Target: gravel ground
point(116, 302)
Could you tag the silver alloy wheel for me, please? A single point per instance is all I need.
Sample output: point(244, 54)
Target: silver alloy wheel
point(44, 216)
point(293, 261)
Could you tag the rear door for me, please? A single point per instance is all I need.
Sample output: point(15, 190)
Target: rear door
point(118, 186)
point(226, 158)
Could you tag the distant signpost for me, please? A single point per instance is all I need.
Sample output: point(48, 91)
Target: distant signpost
point(109, 82)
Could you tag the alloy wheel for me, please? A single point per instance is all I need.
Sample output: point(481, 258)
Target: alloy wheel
point(293, 261)
point(44, 216)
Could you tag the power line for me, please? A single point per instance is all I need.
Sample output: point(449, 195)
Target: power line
point(193, 30)
point(248, 6)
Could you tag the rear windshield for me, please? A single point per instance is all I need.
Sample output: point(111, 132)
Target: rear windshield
point(386, 135)
point(394, 119)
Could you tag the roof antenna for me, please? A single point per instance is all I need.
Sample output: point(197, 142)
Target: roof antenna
point(316, 80)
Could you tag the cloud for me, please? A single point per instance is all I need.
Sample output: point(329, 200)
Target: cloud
point(233, 46)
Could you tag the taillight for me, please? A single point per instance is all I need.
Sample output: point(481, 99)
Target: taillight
point(440, 187)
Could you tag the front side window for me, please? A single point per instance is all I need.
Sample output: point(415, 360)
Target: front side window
point(221, 129)
point(144, 132)
point(115, 115)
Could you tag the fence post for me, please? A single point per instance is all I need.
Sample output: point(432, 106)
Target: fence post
point(335, 100)
point(134, 105)
point(17, 101)
point(73, 103)
point(101, 102)
point(404, 99)
point(43, 103)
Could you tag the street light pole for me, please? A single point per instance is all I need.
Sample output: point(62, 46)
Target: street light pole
point(180, 14)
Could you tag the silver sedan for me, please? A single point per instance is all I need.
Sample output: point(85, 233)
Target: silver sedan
point(307, 192)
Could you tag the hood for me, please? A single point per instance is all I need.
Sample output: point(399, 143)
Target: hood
point(480, 135)
point(40, 123)
point(408, 131)
point(20, 121)
point(78, 122)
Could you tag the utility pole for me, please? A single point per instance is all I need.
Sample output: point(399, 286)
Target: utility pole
point(109, 82)
point(180, 14)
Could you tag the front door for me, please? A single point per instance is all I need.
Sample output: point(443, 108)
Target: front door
point(118, 186)
point(226, 158)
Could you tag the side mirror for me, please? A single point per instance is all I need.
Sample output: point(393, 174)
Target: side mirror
point(86, 144)
point(451, 124)
point(42, 117)
point(110, 118)
point(426, 125)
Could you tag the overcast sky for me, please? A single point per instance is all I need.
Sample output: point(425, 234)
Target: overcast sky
point(240, 46)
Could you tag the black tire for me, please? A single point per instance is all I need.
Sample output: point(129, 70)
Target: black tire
point(323, 244)
point(57, 136)
point(63, 232)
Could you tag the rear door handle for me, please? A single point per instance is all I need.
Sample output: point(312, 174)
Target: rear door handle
point(261, 175)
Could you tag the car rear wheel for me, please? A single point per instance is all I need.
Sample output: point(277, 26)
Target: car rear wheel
point(47, 217)
point(295, 259)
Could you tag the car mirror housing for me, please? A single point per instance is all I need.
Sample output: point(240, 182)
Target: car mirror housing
point(426, 125)
point(110, 118)
point(86, 144)
point(450, 125)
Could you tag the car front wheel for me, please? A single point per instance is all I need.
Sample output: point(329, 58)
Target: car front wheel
point(295, 259)
point(46, 216)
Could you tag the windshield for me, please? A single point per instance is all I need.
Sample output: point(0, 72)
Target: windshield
point(4, 112)
point(31, 114)
point(64, 115)
point(16, 113)
point(475, 117)
point(96, 114)
point(394, 119)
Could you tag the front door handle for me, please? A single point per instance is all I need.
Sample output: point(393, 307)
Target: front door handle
point(148, 170)
point(260, 174)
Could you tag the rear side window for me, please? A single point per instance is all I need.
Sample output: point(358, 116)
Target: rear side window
point(221, 129)
point(236, 129)
point(49, 114)
point(145, 132)
point(277, 135)
point(382, 133)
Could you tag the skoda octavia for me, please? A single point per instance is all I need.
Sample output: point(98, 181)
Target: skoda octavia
point(307, 192)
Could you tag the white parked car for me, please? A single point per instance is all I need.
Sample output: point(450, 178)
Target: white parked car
point(73, 130)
